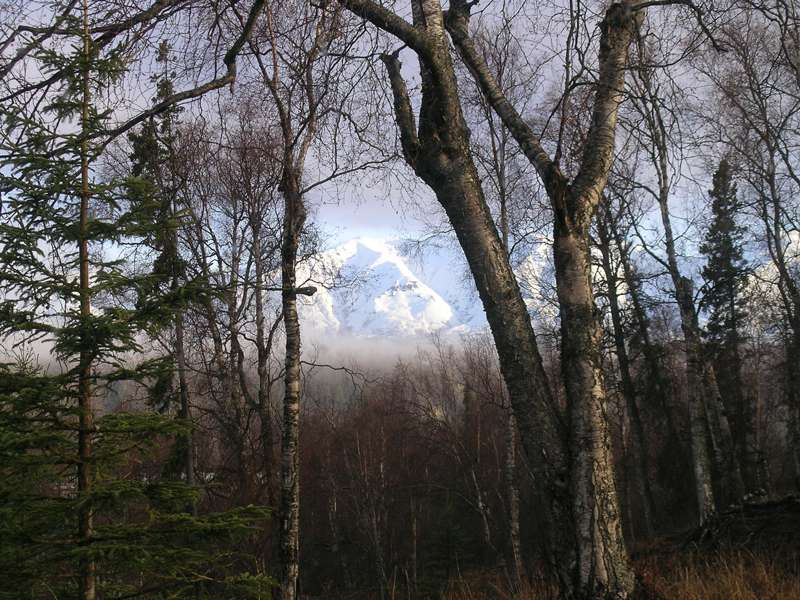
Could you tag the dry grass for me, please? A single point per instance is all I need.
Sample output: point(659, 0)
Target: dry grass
point(729, 576)
point(483, 586)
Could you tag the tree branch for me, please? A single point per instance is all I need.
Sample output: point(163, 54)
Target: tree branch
point(618, 28)
point(229, 60)
point(698, 13)
point(385, 19)
point(404, 114)
point(457, 23)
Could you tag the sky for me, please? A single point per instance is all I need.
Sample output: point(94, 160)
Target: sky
point(374, 217)
point(361, 207)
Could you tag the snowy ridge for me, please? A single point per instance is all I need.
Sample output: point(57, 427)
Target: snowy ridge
point(373, 288)
point(368, 287)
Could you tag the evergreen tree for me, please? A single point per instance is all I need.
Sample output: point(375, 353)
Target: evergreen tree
point(154, 190)
point(725, 273)
point(77, 518)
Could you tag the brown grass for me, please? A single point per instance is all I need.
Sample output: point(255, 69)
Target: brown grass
point(483, 586)
point(729, 576)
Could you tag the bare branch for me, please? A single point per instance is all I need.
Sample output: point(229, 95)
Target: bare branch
point(229, 60)
point(618, 29)
point(404, 114)
point(385, 19)
point(698, 13)
point(457, 23)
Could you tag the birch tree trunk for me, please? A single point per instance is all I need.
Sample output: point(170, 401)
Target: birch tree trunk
point(603, 569)
point(510, 464)
point(704, 413)
point(730, 469)
point(602, 563)
point(438, 152)
point(294, 220)
point(87, 576)
point(237, 386)
point(658, 384)
point(512, 493)
point(264, 341)
point(333, 523)
point(707, 420)
point(287, 67)
point(472, 446)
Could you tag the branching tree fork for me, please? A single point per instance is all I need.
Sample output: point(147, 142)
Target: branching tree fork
point(437, 149)
point(602, 559)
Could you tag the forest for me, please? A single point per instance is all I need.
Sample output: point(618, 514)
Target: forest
point(205, 393)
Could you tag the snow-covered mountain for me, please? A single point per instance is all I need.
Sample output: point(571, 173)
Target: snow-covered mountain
point(377, 288)
point(373, 288)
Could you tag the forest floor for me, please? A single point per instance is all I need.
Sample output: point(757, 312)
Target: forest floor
point(748, 552)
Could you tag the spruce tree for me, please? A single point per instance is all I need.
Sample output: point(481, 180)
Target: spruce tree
point(725, 273)
point(77, 518)
point(154, 188)
point(725, 276)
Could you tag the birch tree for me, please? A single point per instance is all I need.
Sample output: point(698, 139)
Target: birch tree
point(437, 149)
point(507, 185)
point(601, 556)
point(610, 264)
point(299, 58)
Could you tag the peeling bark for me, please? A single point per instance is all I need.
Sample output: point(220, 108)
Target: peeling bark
point(438, 151)
point(512, 494)
point(602, 561)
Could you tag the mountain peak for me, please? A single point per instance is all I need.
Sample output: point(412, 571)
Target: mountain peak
point(374, 289)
